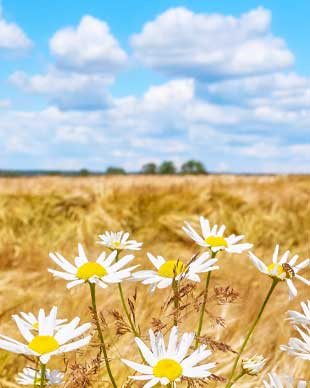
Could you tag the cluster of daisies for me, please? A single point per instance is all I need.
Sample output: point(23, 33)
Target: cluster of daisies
point(164, 362)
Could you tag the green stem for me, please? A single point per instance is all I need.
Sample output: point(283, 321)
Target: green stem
point(120, 288)
point(251, 330)
point(237, 378)
point(36, 374)
point(92, 287)
point(203, 307)
point(131, 323)
point(176, 302)
point(42, 380)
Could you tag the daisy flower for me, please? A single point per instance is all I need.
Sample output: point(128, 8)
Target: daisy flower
point(213, 238)
point(299, 347)
point(101, 271)
point(31, 321)
point(169, 270)
point(282, 269)
point(49, 341)
point(252, 366)
point(276, 382)
point(119, 241)
point(169, 365)
point(297, 318)
point(31, 377)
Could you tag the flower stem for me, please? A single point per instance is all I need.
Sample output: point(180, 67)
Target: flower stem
point(237, 378)
point(203, 307)
point(42, 379)
point(131, 323)
point(176, 301)
point(36, 373)
point(121, 292)
point(251, 330)
point(92, 287)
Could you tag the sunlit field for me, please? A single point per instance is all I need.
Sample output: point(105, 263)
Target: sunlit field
point(47, 214)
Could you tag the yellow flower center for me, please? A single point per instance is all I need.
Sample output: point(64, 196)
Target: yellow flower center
point(171, 268)
point(215, 241)
point(167, 368)
point(43, 344)
point(275, 269)
point(90, 269)
point(116, 244)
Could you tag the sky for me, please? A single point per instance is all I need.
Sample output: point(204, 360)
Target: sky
point(92, 84)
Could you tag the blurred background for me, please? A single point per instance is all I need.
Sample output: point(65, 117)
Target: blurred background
point(139, 116)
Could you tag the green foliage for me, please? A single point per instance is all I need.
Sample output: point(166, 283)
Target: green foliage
point(149, 168)
point(115, 171)
point(167, 167)
point(84, 172)
point(193, 167)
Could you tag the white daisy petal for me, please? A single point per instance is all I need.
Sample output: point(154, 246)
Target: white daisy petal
point(166, 366)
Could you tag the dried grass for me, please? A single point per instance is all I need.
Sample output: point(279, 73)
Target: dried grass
point(38, 215)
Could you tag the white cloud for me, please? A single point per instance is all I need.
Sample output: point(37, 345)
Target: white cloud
point(12, 37)
point(4, 104)
point(182, 43)
point(283, 90)
point(87, 60)
point(67, 90)
point(89, 48)
point(130, 131)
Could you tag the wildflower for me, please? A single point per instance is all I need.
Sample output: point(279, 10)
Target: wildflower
point(119, 241)
point(166, 366)
point(299, 347)
point(282, 270)
point(31, 377)
point(214, 239)
point(276, 382)
point(169, 270)
point(49, 340)
point(32, 323)
point(252, 366)
point(99, 272)
point(297, 318)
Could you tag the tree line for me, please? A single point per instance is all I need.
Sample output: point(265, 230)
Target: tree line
point(166, 167)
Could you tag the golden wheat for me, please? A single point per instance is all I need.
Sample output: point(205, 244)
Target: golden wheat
point(39, 215)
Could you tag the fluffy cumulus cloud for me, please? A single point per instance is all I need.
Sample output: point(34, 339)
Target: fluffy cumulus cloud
point(132, 131)
point(66, 90)
point(233, 99)
point(88, 48)
point(180, 42)
point(87, 59)
point(12, 37)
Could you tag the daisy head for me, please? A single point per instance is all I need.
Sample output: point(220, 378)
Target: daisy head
point(119, 241)
point(48, 340)
point(168, 365)
point(275, 381)
point(30, 376)
point(252, 366)
point(101, 272)
point(214, 239)
point(31, 321)
point(283, 269)
point(167, 271)
point(299, 347)
point(297, 318)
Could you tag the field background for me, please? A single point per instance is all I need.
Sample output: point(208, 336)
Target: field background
point(39, 215)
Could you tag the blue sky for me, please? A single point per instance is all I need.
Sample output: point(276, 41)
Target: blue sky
point(88, 84)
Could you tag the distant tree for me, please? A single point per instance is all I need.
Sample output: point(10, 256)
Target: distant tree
point(149, 168)
point(193, 167)
point(84, 172)
point(167, 167)
point(115, 171)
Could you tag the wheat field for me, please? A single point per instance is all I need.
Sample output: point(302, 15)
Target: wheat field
point(43, 214)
